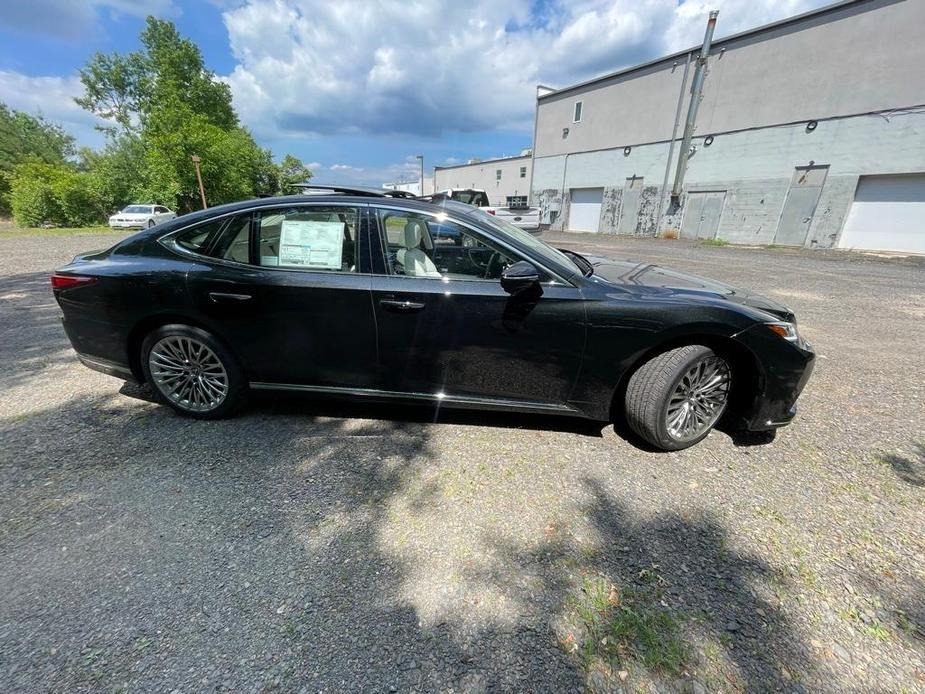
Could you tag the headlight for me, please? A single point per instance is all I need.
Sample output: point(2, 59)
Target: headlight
point(788, 331)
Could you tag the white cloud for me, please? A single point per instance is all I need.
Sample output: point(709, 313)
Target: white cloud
point(53, 98)
point(430, 67)
point(73, 19)
point(407, 170)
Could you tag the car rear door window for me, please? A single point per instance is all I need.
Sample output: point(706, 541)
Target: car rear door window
point(235, 242)
point(316, 238)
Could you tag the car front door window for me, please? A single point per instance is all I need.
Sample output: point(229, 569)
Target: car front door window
point(419, 245)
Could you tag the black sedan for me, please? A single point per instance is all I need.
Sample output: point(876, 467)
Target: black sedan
point(357, 294)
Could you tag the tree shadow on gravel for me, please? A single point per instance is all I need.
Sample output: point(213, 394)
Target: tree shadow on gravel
point(271, 551)
point(910, 469)
point(144, 548)
point(677, 567)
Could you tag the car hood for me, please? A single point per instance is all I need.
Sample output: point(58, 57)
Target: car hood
point(674, 283)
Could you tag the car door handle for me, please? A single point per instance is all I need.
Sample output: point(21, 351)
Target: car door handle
point(218, 297)
point(400, 306)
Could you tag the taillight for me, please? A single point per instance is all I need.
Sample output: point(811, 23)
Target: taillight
point(68, 281)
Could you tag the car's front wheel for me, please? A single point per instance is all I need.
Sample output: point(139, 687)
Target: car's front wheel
point(193, 372)
point(677, 397)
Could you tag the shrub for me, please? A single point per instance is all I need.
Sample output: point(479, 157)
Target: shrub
point(53, 193)
point(32, 201)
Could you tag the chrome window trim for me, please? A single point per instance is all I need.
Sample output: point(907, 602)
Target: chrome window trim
point(169, 241)
point(557, 278)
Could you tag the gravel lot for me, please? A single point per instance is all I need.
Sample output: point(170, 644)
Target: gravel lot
point(316, 546)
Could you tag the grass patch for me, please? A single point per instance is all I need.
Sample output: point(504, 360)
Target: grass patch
point(623, 626)
point(714, 242)
point(14, 232)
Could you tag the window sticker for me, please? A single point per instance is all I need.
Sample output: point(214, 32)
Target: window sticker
point(311, 244)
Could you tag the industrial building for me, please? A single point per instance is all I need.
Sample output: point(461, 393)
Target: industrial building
point(413, 187)
point(810, 132)
point(505, 180)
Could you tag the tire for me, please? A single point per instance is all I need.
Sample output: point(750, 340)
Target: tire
point(150, 223)
point(675, 399)
point(193, 372)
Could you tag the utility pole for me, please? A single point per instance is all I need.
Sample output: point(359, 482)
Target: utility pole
point(202, 191)
point(696, 94)
point(674, 137)
point(421, 158)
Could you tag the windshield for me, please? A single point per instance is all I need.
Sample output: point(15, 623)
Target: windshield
point(137, 209)
point(541, 248)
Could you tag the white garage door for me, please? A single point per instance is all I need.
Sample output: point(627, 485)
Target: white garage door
point(888, 214)
point(585, 209)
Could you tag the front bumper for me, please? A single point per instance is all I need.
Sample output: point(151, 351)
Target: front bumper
point(127, 225)
point(785, 370)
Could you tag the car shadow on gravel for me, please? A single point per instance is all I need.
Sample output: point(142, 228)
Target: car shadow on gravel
point(31, 336)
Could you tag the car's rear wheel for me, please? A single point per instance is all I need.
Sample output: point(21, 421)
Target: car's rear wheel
point(676, 398)
point(193, 372)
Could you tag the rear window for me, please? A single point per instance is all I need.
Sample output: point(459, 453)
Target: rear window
point(471, 197)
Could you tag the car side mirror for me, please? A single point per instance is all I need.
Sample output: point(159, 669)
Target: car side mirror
point(519, 277)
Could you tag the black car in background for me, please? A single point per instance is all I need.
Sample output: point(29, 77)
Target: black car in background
point(359, 294)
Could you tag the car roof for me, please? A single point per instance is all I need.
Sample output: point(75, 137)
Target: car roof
point(300, 198)
point(447, 205)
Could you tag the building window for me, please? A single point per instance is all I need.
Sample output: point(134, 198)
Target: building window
point(578, 109)
point(523, 171)
point(497, 174)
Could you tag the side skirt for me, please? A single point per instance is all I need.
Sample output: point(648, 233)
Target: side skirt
point(462, 401)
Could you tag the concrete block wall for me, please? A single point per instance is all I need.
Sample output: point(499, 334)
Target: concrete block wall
point(754, 167)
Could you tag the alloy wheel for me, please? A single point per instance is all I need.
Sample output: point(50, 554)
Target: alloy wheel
point(699, 399)
point(188, 373)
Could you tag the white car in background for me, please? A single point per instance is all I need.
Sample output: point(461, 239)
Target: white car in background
point(516, 212)
point(140, 216)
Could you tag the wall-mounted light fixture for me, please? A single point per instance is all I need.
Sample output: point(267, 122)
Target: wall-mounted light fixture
point(708, 140)
point(626, 151)
point(811, 125)
point(564, 133)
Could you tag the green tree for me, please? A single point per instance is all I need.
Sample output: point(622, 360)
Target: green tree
point(292, 171)
point(28, 138)
point(166, 107)
point(116, 172)
point(129, 89)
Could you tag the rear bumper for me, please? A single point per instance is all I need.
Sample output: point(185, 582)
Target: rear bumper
point(100, 346)
point(110, 368)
